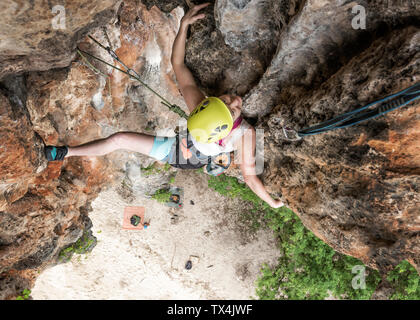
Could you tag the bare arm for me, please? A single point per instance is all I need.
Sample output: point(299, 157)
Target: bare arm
point(246, 148)
point(189, 89)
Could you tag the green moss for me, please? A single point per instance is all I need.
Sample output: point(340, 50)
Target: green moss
point(147, 171)
point(308, 268)
point(155, 169)
point(162, 195)
point(83, 245)
point(24, 295)
point(405, 281)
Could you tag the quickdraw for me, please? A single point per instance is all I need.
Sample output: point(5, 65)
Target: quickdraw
point(354, 117)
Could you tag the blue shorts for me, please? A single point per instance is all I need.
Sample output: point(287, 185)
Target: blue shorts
point(162, 147)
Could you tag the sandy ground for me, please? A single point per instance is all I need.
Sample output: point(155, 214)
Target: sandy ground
point(150, 263)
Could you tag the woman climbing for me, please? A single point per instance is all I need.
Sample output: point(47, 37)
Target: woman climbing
point(214, 127)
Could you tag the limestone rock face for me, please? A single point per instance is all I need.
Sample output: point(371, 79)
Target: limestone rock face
point(40, 35)
point(294, 62)
point(355, 188)
point(217, 67)
point(318, 41)
point(21, 155)
point(44, 206)
point(252, 23)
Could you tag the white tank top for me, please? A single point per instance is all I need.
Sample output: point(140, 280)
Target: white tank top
point(212, 149)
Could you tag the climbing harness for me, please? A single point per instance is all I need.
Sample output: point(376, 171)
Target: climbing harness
point(354, 117)
point(185, 155)
point(128, 71)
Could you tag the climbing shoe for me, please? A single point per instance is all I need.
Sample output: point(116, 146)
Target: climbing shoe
point(55, 153)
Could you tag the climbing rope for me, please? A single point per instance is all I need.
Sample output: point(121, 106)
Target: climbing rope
point(97, 71)
point(354, 117)
point(130, 72)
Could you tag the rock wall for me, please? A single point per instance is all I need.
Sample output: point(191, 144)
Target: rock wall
point(44, 206)
point(299, 63)
point(38, 35)
point(221, 54)
point(355, 188)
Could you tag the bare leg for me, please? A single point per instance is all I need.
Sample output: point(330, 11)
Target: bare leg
point(138, 142)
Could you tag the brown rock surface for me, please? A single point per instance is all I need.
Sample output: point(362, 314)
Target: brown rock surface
point(28, 40)
point(357, 189)
point(21, 149)
point(318, 41)
point(44, 209)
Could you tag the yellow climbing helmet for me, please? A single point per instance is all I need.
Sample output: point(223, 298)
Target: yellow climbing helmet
point(210, 121)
